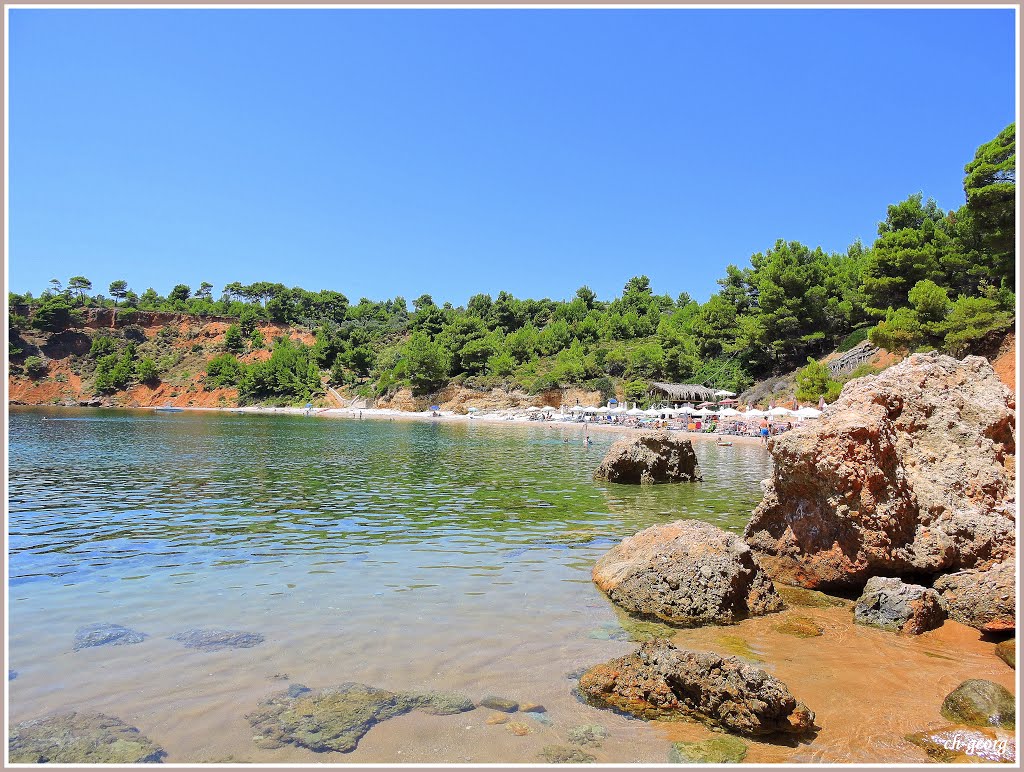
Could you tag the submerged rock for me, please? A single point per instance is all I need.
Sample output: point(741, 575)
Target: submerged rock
point(716, 750)
point(898, 607)
point(799, 627)
point(650, 457)
point(565, 754)
point(957, 744)
point(497, 718)
point(106, 634)
point(443, 703)
point(688, 573)
point(1006, 651)
point(984, 599)
point(518, 728)
point(336, 718)
point(215, 640)
point(81, 738)
point(978, 702)
point(661, 681)
point(499, 703)
point(910, 471)
point(588, 735)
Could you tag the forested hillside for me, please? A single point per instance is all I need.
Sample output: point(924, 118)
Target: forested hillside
point(931, 279)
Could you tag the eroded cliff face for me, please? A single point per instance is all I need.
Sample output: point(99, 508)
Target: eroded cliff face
point(909, 473)
point(181, 342)
point(459, 399)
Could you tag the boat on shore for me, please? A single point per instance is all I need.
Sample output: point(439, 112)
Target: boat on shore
point(169, 409)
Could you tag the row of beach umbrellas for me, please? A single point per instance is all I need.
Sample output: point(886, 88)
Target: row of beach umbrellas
point(728, 412)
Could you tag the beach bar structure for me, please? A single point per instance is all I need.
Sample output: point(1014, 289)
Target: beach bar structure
point(681, 392)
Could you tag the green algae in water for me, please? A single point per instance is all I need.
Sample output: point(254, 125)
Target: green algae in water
point(799, 627)
point(800, 596)
point(640, 630)
point(81, 738)
point(717, 750)
point(739, 647)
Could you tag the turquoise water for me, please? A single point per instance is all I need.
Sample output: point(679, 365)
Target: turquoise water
point(401, 554)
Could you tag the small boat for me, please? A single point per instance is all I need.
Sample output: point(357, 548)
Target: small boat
point(169, 409)
point(724, 443)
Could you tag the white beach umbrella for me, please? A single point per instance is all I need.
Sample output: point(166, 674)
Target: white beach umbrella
point(729, 413)
point(532, 409)
point(724, 393)
point(779, 412)
point(473, 409)
point(754, 413)
point(603, 410)
point(808, 412)
point(590, 409)
point(619, 409)
point(634, 411)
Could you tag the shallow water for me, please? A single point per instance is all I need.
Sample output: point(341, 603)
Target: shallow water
point(405, 555)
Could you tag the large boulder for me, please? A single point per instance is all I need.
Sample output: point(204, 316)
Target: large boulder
point(661, 681)
point(986, 600)
point(651, 457)
point(978, 702)
point(909, 472)
point(899, 607)
point(687, 573)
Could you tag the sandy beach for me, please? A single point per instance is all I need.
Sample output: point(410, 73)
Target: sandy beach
point(490, 419)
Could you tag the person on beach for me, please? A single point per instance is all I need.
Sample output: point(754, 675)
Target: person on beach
point(764, 431)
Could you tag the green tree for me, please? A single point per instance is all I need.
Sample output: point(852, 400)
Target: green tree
point(147, 371)
point(79, 284)
point(223, 371)
point(972, 320)
point(102, 345)
point(54, 314)
point(205, 291)
point(912, 244)
point(901, 330)
point(180, 293)
point(118, 290)
point(990, 185)
point(35, 367)
point(931, 304)
point(425, 363)
point(233, 339)
point(815, 381)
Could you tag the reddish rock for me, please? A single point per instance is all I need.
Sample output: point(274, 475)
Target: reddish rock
point(910, 472)
point(651, 457)
point(986, 600)
point(661, 681)
point(688, 573)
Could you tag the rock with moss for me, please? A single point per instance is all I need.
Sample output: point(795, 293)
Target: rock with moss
point(442, 703)
point(891, 604)
point(686, 573)
point(503, 704)
point(565, 754)
point(81, 738)
point(106, 634)
point(1007, 652)
point(799, 627)
point(215, 640)
point(958, 745)
point(336, 718)
point(978, 702)
point(661, 681)
point(716, 750)
point(591, 735)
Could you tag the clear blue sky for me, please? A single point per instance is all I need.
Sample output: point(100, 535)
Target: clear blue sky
point(396, 152)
